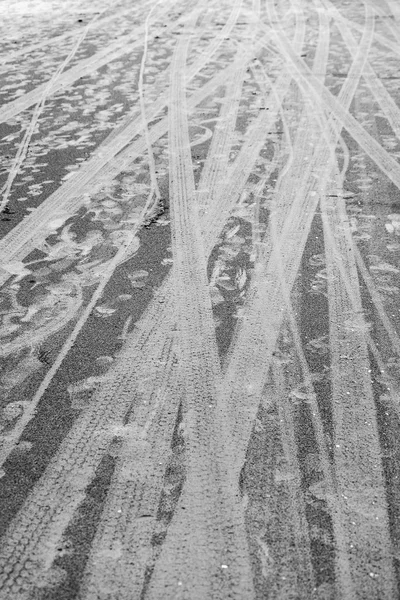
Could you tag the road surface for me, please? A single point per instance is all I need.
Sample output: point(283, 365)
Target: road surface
point(200, 279)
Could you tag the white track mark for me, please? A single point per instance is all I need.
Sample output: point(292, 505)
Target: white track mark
point(65, 201)
point(9, 441)
point(380, 39)
point(207, 529)
point(70, 445)
point(382, 96)
point(59, 38)
point(283, 385)
point(358, 468)
point(23, 147)
point(125, 45)
point(212, 231)
point(70, 196)
point(376, 298)
point(152, 168)
point(231, 195)
point(122, 549)
point(309, 83)
point(333, 500)
point(306, 183)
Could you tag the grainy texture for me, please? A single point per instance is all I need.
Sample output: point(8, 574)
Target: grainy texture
point(200, 278)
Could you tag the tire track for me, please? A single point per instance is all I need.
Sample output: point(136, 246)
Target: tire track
point(163, 322)
point(357, 457)
point(391, 332)
point(94, 447)
point(379, 561)
point(156, 322)
point(12, 438)
point(85, 67)
point(71, 195)
point(374, 150)
point(244, 375)
point(125, 45)
point(134, 544)
point(23, 147)
point(378, 38)
point(246, 370)
point(284, 381)
point(159, 321)
point(148, 474)
point(152, 168)
point(241, 167)
point(333, 499)
point(64, 36)
point(382, 96)
point(122, 548)
point(208, 537)
point(217, 160)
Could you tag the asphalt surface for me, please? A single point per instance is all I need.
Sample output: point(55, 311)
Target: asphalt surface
point(199, 301)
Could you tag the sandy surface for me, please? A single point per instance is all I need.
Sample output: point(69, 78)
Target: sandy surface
point(199, 301)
